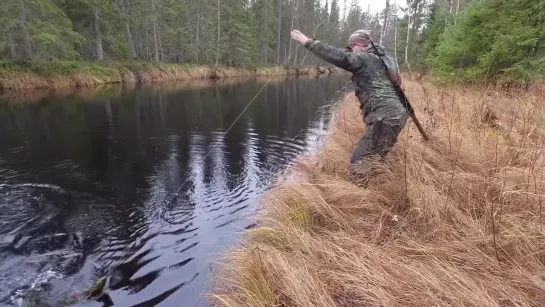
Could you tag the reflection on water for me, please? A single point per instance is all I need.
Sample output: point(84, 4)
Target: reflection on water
point(145, 187)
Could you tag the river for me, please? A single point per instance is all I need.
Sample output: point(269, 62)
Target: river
point(144, 186)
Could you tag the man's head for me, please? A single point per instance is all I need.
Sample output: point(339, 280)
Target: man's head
point(359, 40)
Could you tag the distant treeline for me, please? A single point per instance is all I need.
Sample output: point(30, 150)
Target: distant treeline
point(467, 39)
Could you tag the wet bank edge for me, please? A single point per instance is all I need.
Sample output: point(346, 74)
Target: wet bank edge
point(23, 76)
point(219, 284)
point(107, 91)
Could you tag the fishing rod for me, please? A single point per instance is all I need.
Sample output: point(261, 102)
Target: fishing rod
point(99, 290)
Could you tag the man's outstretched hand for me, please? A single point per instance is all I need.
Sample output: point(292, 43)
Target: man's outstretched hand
point(298, 36)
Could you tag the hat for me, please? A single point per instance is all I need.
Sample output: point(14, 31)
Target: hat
point(360, 36)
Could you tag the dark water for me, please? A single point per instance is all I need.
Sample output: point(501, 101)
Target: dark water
point(88, 188)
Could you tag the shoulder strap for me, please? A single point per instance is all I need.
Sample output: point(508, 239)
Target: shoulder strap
point(401, 94)
point(395, 82)
point(389, 73)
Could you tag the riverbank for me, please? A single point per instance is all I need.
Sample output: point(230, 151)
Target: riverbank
point(455, 221)
point(18, 76)
point(105, 91)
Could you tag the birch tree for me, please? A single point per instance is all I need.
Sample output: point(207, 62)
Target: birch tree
point(385, 24)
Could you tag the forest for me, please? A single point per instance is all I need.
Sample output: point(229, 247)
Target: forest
point(465, 39)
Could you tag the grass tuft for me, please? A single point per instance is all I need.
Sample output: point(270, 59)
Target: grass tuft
point(270, 236)
point(298, 213)
point(455, 221)
point(24, 75)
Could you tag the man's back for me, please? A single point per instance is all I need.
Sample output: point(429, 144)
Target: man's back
point(373, 88)
point(375, 91)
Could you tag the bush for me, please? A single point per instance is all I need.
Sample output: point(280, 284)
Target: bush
point(493, 38)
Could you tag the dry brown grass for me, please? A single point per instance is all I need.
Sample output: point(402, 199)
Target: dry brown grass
point(455, 221)
point(108, 90)
point(112, 90)
point(22, 80)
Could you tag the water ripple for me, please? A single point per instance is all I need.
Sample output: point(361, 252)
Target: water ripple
point(142, 189)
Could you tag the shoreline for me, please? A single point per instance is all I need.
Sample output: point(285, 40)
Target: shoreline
point(451, 221)
point(115, 89)
point(65, 75)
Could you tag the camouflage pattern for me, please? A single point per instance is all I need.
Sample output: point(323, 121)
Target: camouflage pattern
point(377, 140)
point(383, 112)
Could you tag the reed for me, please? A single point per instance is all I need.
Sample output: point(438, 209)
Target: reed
point(455, 221)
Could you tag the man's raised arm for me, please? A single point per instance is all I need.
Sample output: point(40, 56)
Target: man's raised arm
point(339, 57)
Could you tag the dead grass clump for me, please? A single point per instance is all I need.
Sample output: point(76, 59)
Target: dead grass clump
point(77, 75)
point(456, 221)
point(18, 81)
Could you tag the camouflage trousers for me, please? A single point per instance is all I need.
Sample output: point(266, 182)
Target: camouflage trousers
point(377, 141)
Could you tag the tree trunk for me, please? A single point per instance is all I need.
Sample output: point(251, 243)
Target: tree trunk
point(395, 38)
point(11, 44)
point(128, 34)
point(278, 62)
point(457, 9)
point(536, 47)
point(218, 35)
point(296, 58)
point(161, 55)
point(155, 36)
point(130, 41)
point(98, 34)
point(29, 54)
point(148, 52)
point(266, 33)
point(407, 45)
point(385, 26)
point(180, 57)
point(197, 36)
point(293, 8)
point(139, 42)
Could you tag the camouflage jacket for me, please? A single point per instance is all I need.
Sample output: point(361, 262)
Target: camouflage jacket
point(374, 90)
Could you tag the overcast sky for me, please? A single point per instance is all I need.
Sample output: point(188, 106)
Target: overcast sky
point(376, 5)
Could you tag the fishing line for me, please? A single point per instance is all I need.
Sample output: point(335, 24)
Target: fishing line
point(240, 115)
point(110, 268)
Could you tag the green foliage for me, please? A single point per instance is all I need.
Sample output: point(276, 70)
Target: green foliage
point(63, 68)
point(252, 33)
point(437, 22)
point(334, 23)
point(240, 41)
point(493, 38)
point(43, 23)
point(105, 71)
point(487, 38)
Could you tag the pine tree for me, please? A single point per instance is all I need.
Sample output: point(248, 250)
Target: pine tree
point(38, 30)
point(435, 27)
point(334, 16)
point(494, 38)
point(471, 39)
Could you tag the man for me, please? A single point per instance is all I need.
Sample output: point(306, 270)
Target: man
point(383, 113)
